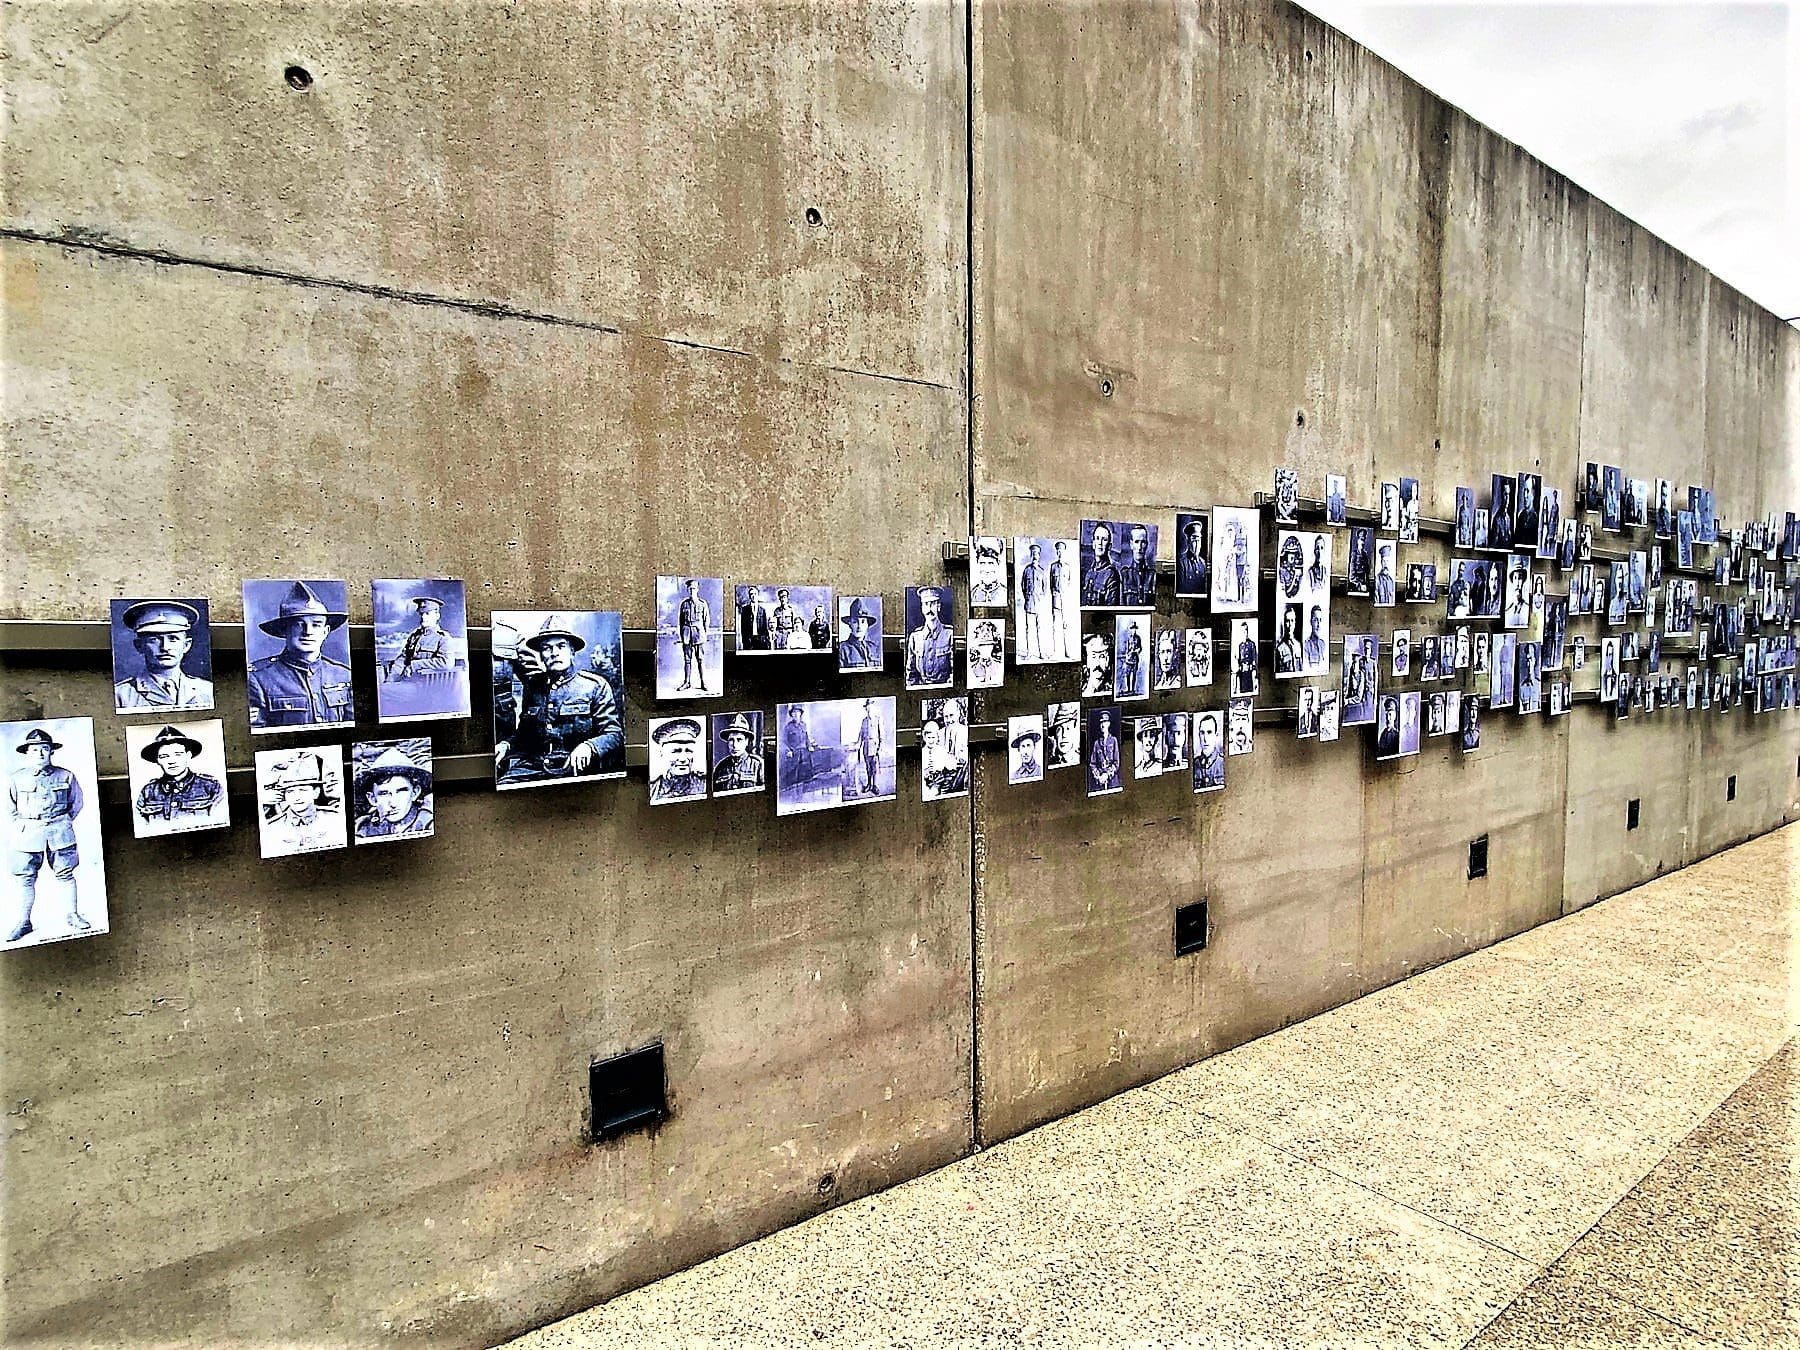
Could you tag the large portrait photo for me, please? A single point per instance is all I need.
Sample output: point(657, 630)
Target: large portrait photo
point(1118, 564)
point(737, 753)
point(678, 766)
point(298, 655)
point(559, 697)
point(1360, 678)
point(1046, 600)
point(1193, 555)
point(782, 618)
point(178, 777)
point(162, 656)
point(421, 649)
point(834, 752)
point(391, 784)
point(690, 637)
point(56, 876)
point(943, 748)
point(1236, 550)
point(1303, 604)
point(930, 647)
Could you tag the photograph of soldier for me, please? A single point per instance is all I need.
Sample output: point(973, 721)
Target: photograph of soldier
point(1662, 516)
point(1567, 543)
point(1236, 551)
point(1100, 584)
point(1062, 744)
point(1584, 542)
point(690, 637)
point(1287, 656)
point(1244, 679)
point(559, 697)
point(1175, 740)
point(986, 653)
point(1421, 583)
point(1390, 508)
point(1550, 520)
point(1193, 561)
point(1516, 611)
point(1529, 487)
point(1097, 665)
point(1044, 617)
point(783, 618)
point(162, 656)
point(1474, 589)
point(1435, 710)
point(1025, 749)
point(1147, 747)
point(1287, 496)
point(1306, 712)
point(678, 768)
point(1360, 655)
point(177, 777)
point(1654, 577)
point(393, 790)
point(1558, 691)
point(299, 655)
point(1578, 654)
point(1463, 648)
point(1637, 502)
point(1240, 726)
point(1556, 630)
point(1397, 726)
point(1335, 500)
point(1453, 700)
point(930, 651)
point(1409, 510)
point(1400, 650)
point(943, 748)
point(1478, 664)
point(1471, 723)
point(301, 796)
point(1330, 709)
point(834, 752)
point(1481, 527)
point(859, 634)
point(1612, 498)
point(421, 649)
point(1590, 488)
point(1639, 585)
point(1360, 576)
point(1384, 574)
point(1683, 596)
point(1503, 673)
point(1500, 512)
point(1209, 751)
point(1618, 591)
point(987, 572)
point(1105, 774)
point(737, 753)
point(1131, 656)
point(1199, 657)
point(1166, 664)
point(52, 832)
point(1530, 696)
point(1706, 519)
point(1430, 661)
point(1465, 517)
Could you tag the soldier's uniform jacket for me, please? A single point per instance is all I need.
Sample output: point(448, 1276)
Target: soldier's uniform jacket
point(555, 718)
point(1103, 761)
point(857, 652)
point(165, 798)
point(693, 620)
point(930, 656)
point(292, 693)
point(738, 771)
point(416, 821)
point(43, 804)
point(787, 623)
point(144, 691)
point(426, 649)
point(1059, 584)
point(1031, 585)
point(1101, 584)
point(1137, 584)
point(677, 786)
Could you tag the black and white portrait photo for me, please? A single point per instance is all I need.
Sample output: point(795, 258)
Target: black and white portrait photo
point(1590, 489)
point(1503, 674)
point(1025, 749)
point(1471, 723)
point(1244, 681)
point(391, 787)
point(1501, 503)
point(943, 748)
point(1464, 647)
point(737, 753)
point(1612, 498)
point(1474, 590)
point(1409, 510)
point(1237, 547)
point(1578, 653)
point(1639, 585)
point(1097, 665)
point(1637, 503)
point(986, 653)
point(1528, 489)
point(1550, 521)
point(1175, 740)
point(1335, 515)
point(1389, 741)
point(1662, 514)
point(1118, 564)
point(1306, 712)
point(859, 637)
point(1683, 602)
point(1386, 588)
point(1584, 542)
point(298, 652)
point(1530, 686)
point(1105, 766)
point(678, 749)
point(1360, 678)
point(1199, 657)
point(1148, 757)
point(1240, 726)
point(1131, 656)
point(1421, 583)
point(1330, 710)
point(1481, 663)
point(421, 649)
point(1303, 603)
point(162, 656)
point(1209, 751)
point(56, 874)
point(1559, 697)
point(1481, 527)
point(783, 618)
point(1618, 592)
point(1465, 518)
point(1436, 705)
point(1400, 648)
point(1706, 517)
point(1555, 631)
point(1515, 609)
point(690, 637)
point(1193, 555)
point(1360, 574)
point(930, 649)
point(559, 697)
point(834, 752)
point(1390, 509)
point(1046, 600)
point(1167, 659)
point(1062, 736)
point(1287, 496)
point(177, 777)
point(1430, 658)
point(1568, 545)
point(301, 800)
point(987, 572)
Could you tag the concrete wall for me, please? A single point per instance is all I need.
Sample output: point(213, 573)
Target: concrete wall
point(530, 295)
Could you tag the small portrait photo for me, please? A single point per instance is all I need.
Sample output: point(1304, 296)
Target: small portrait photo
point(1244, 681)
point(1464, 649)
point(1481, 661)
point(1175, 740)
point(1481, 527)
point(1387, 727)
point(1409, 510)
point(1334, 500)
point(1590, 488)
point(1706, 518)
point(1471, 723)
point(783, 618)
point(1046, 600)
point(300, 793)
point(1421, 583)
point(987, 572)
point(1516, 610)
point(1584, 542)
point(1193, 555)
point(1390, 508)
point(1105, 772)
point(930, 651)
point(1637, 503)
point(859, 650)
point(162, 656)
point(1062, 736)
point(1287, 496)
point(1465, 518)
point(1167, 659)
point(1401, 648)
point(1131, 656)
point(391, 783)
point(678, 747)
point(943, 748)
point(986, 653)
point(57, 881)
point(1209, 751)
point(1385, 588)
point(1453, 701)
point(1474, 590)
point(1684, 539)
point(177, 777)
point(1662, 515)
point(1612, 498)
point(1361, 652)
point(422, 649)
point(1578, 654)
point(1550, 521)
point(1025, 749)
point(298, 653)
point(1629, 651)
point(1240, 726)
point(559, 697)
point(737, 753)
point(1502, 678)
point(1147, 747)
point(1559, 698)
point(1654, 654)
point(1118, 564)
point(1684, 595)
point(1237, 549)
point(690, 637)
point(1096, 665)
point(1330, 707)
point(1535, 609)
point(1430, 658)
point(834, 752)
point(1360, 576)
point(1526, 493)
point(1436, 709)
point(1618, 591)
point(1306, 712)
point(1199, 657)
point(1530, 697)
point(1639, 583)
point(1501, 500)
point(1556, 631)
point(1568, 544)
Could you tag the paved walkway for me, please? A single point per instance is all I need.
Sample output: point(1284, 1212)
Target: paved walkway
point(1583, 1136)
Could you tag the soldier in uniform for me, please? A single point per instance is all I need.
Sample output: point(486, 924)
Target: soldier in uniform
point(741, 767)
point(1065, 736)
point(692, 619)
point(569, 721)
point(1034, 587)
point(395, 794)
point(163, 634)
point(797, 746)
point(868, 748)
point(1100, 585)
point(679, 780)
point(1137, 577)
point(293, 815)
point(859, 650)
point(1103, 757)
point(787, 624)
point(1060, 586)
point(300, 686)
point(931, 647)
point(427, 647)
point(42, 801)
point(1209, 752)
point(1026, 767)
point(178, 793)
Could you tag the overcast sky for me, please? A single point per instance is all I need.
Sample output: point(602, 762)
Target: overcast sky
point(1683, 116)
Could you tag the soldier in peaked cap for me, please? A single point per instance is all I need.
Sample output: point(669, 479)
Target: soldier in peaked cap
point(163, 633)
point(42, 801)
point(741, 767)
point(428, 646)
point(569, 721)
point(177, 793)
point(693, 619)
point(395, 795)
point(679, 781)
point(300, 686)
point(931, 647)
point(861, 650)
